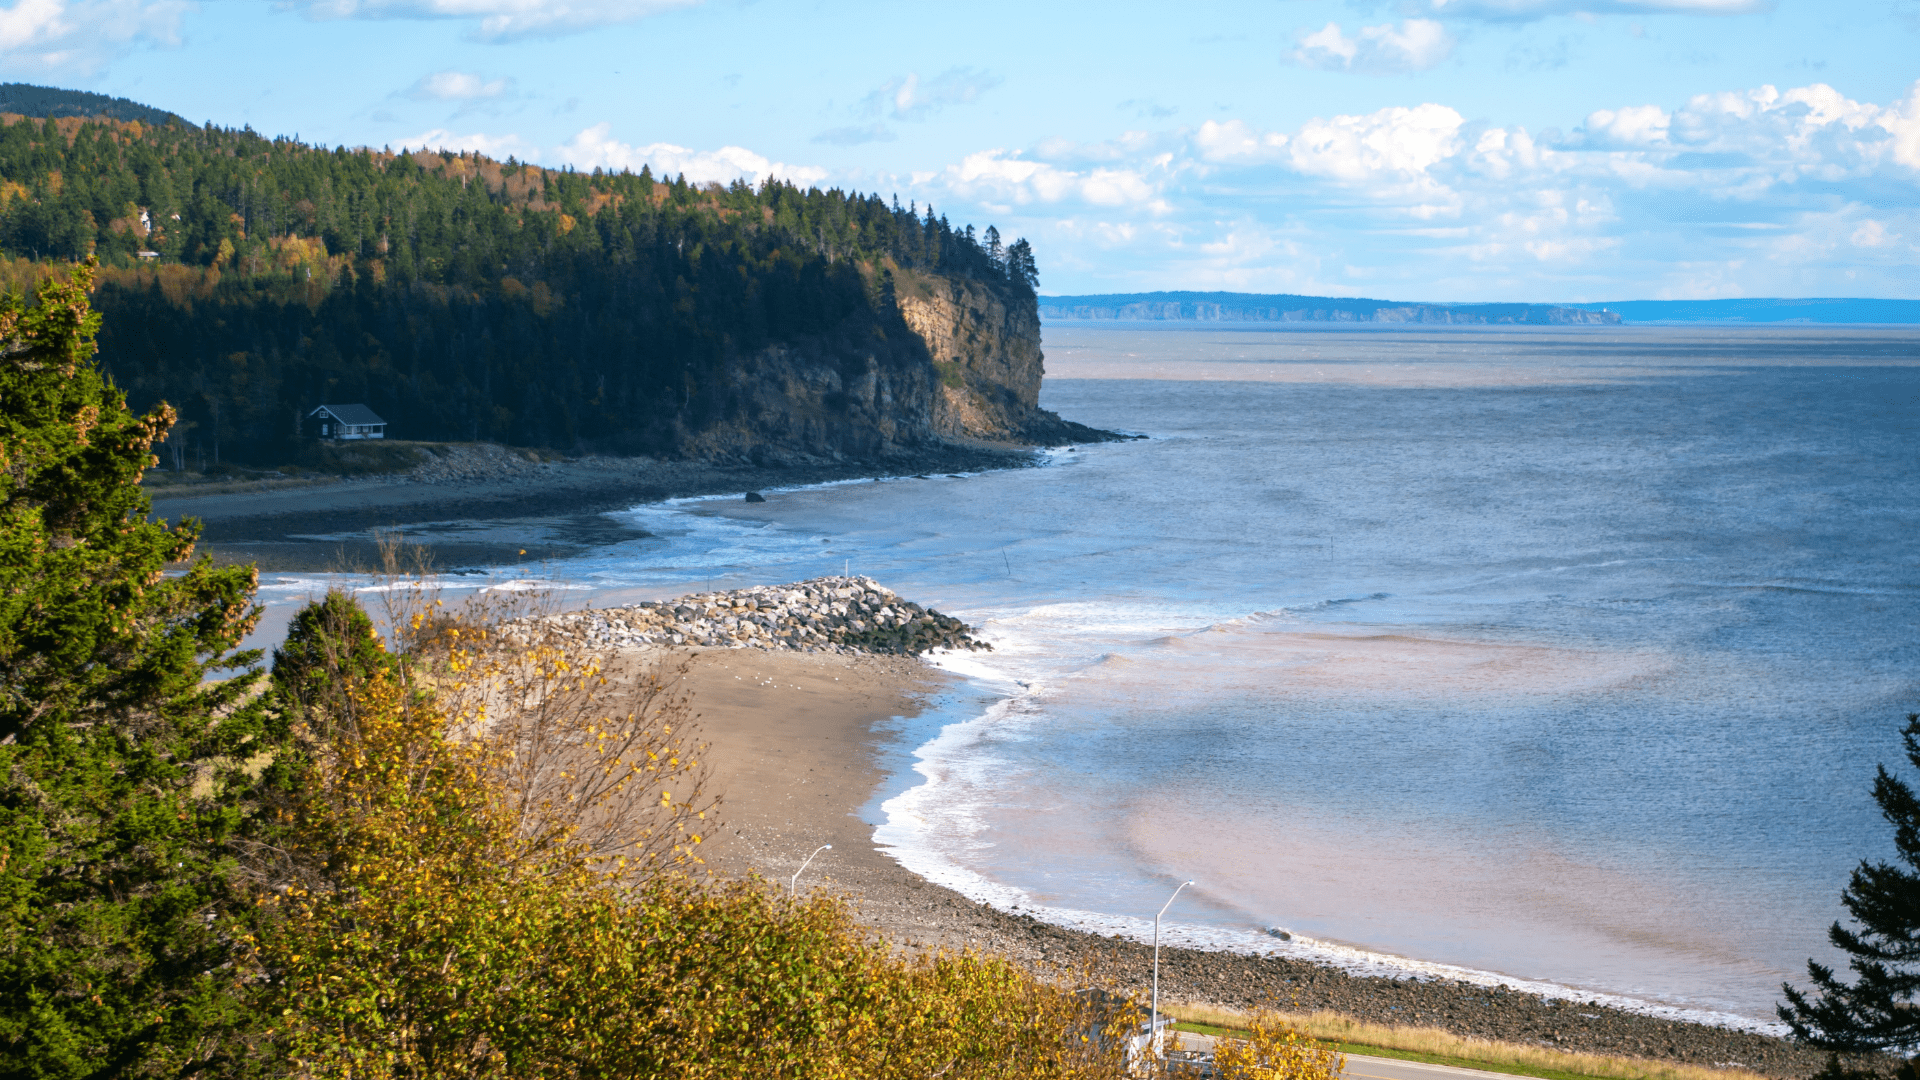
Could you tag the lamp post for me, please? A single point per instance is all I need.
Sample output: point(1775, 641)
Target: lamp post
point(1153, 1022)
point(793, 887)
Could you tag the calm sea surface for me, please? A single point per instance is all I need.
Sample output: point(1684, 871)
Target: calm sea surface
point(1559, 654)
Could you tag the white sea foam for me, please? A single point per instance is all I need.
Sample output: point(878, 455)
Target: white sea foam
point(282, 583)
point(540, 585)
point(928, 831)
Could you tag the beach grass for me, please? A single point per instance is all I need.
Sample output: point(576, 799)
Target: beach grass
point(1436, 1047)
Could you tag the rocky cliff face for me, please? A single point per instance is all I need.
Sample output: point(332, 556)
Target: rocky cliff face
point(985, 351)
point(968, 371)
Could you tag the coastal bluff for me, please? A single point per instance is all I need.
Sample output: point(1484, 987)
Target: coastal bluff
point(967, 370)
point(1287, 308)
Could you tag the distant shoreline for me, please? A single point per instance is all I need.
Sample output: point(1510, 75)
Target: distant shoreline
point(558, 506)
point(1285, 309)
point(1414, 327)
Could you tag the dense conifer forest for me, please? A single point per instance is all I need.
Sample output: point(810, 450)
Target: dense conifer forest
point(246, 279)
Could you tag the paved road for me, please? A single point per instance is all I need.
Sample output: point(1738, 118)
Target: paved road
point(1362, 1067)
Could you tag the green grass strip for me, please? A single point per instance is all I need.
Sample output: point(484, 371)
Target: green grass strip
point(1408, 1055)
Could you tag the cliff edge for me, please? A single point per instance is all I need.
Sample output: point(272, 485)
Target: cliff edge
point(950, 360)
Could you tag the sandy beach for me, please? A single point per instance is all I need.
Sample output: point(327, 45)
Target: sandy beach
point(794, 741)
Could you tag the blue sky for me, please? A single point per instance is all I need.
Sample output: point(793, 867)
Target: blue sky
point(1545, 150)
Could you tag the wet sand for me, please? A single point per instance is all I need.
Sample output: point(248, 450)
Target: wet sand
point(496, 513)
point(794, 741)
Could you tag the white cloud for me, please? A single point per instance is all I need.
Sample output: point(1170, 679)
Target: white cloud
point(456, 86)
point(999, 178)
point(498, 19)
point(1235, 141)
point(595, 147)
point(1635, 125)
point(1414, 45)
point(78, 36)
point(1396, 141)
point(1902, 122)
point(1762, 191)
point(1871, 234)
point(493, 146)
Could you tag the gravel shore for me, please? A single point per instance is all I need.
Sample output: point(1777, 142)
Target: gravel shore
point(488, 506)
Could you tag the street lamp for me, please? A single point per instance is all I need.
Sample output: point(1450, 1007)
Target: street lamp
point(793, 886)
point(1153, 1022)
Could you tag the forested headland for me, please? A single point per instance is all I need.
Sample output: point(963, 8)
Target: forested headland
point(246, 279)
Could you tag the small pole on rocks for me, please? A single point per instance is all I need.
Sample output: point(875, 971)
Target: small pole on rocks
point(793, 887)
point(1153, 1022)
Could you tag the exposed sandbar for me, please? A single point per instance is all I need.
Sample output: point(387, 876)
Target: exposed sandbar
point(796, 739)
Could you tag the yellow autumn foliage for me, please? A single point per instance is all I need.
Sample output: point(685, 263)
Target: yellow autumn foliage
point(1276, 1050)
point(461, 917)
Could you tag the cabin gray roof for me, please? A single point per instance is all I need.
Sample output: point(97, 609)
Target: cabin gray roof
point(350, 414)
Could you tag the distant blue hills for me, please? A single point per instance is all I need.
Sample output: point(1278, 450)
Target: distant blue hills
point(1232, 307)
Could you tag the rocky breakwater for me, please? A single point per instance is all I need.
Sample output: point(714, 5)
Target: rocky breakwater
point(829, 614)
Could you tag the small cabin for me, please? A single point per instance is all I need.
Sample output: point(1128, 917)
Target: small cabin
point(345, 422)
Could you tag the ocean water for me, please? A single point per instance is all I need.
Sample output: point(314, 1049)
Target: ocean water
point(1556, 656)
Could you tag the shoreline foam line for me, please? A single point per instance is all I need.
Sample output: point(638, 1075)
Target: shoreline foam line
point(897, 838)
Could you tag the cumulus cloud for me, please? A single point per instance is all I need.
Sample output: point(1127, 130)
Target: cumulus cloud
point(493, 146)
point(498, 20)
point(1761, 191)
point(1871, 233)
point(1414, 45)
point(1397, 141)
point(1634, 125)
point(1000, 178)
point(1235, 141)
point(79, 36)
point(456, 86)
point(595, 147)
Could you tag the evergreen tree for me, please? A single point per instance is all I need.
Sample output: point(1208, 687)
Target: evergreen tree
point(1876, 1012)
point(458, 297)
point(330, 645)
point(118, 796)
point(1021, 266)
